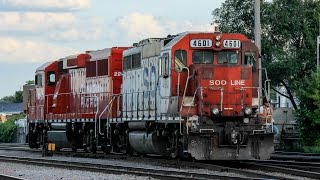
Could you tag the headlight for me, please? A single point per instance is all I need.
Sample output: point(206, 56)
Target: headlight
point(215, 111)
point(247, 110)
point(218, 37)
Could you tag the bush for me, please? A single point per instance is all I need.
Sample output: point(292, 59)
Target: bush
point(8, 128)
point(308, 115)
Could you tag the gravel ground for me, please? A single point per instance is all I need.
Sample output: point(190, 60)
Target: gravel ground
point(37, 172)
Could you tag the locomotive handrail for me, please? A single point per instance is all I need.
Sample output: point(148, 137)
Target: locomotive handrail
point(94, 96)
point(96, 114)
point(221, 99)
point(184, 94)
point(110, 103)
point(76, 94)
point(260, 104)
point(265, 84)
point(194, 95)
point(138, 92)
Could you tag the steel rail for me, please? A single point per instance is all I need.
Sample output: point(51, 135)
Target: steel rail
point(280, 168)
point(307, 166)
point(173, 163)
point(8, 177)
point(117, 169)
point(302, 169)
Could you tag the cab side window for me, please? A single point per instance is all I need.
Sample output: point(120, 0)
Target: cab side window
point(51, 78)
point(38, 81)
point(180, 59)
point(249, 60)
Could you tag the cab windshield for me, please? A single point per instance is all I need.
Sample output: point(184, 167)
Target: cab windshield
point(227, 57)
point(202, 57)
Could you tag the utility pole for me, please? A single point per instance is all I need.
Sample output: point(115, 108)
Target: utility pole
point(257, 38)
point(318, 46)
point(318, 51)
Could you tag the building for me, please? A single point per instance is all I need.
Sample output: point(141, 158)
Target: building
point(282, 101)
point(9, 109)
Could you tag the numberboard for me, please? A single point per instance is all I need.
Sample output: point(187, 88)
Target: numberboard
point(201, 43)
point(231, 43)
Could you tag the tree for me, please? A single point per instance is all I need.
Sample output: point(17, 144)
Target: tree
point(309, 111)
point(291, 43)
point(30, 82)
point(16, 98)
point(8, 99)
point(18, 95)
point(289, 29)
point(8, 128)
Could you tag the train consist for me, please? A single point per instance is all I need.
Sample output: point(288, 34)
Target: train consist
point(194, 94)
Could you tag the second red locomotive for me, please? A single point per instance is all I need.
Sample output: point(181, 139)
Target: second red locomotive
point(192, 94)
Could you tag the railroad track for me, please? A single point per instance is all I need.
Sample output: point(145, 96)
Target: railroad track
point(159, 162)
point(16, 147)
point(300, 169)
point(244, 168)
point(5, 177)
point(305, 166)
point(210, 165)
point(117, 169)
point(296, 156)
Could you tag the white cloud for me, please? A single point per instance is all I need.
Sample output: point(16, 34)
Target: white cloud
point(34, 21)
point(63, 5)
point(82, 32)
point(16, 51)
point(137, 26)
point(55, 26)
point(87, 29)
point(140, 25)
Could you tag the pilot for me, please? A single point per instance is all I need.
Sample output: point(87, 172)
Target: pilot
point(265, 112)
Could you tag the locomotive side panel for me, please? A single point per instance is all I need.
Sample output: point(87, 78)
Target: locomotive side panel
point(140, 80)
point(191, 94)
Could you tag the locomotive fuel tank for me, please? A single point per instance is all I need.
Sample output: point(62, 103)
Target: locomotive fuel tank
point(148, 143)
point(58, 135)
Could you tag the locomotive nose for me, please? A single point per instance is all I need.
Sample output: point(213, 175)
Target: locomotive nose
point(223, 88)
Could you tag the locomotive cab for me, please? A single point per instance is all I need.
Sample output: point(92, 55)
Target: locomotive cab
point(220, 97)
point(194, 94)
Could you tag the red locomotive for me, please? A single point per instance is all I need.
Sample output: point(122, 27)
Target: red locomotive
point(192, 94)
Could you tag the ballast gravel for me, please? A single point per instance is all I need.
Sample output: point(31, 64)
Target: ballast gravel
point(40, 172)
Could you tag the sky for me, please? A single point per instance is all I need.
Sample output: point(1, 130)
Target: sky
point(33, 32)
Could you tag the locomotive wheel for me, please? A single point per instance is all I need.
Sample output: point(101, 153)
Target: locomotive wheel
point(93, 147)
point(90, 143)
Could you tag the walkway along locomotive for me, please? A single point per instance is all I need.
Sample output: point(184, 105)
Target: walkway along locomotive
point(192, 94)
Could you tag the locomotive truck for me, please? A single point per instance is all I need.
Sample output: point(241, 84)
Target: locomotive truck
point(193, 94)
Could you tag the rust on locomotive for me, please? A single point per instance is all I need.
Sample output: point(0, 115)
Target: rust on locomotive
point(192, 94)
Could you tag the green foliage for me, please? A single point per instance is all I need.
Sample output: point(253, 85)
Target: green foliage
point(30, 82)
point(18, 95)
point(8, 128)
point(8, 99)
point(289, 30)
point(311, 149)
point(309, 112)
point(16, 98)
